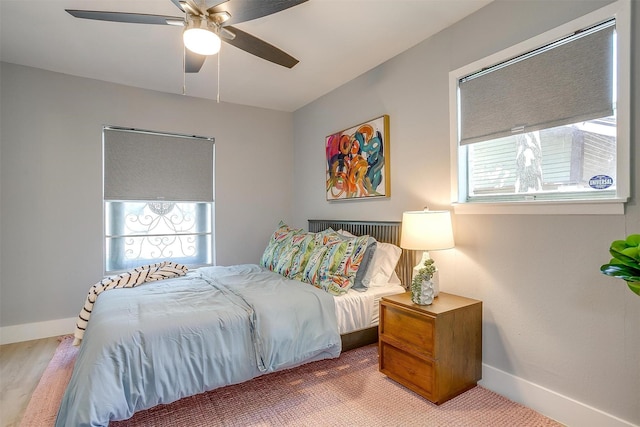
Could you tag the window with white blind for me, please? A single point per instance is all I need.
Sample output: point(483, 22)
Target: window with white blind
point(547, 122)
point(158, 198)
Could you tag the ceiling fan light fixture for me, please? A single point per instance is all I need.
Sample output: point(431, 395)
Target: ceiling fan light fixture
point(200, 39)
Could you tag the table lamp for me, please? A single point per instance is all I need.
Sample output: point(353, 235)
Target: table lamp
point(426, 231)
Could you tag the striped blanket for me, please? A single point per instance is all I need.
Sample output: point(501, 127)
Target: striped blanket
point(135, 277)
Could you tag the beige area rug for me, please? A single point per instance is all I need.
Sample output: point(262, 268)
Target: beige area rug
point(348, 391)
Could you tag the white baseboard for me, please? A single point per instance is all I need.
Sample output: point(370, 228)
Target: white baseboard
point(561, 408)
point(38, 330)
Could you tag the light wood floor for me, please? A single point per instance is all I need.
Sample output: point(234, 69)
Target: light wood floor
point(21, 366)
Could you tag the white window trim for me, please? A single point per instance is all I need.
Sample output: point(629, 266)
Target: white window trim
point(621, 11)
point(105, 200)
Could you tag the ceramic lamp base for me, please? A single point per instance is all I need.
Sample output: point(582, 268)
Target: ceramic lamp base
point(436, 276)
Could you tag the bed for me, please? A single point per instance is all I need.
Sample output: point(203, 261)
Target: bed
point(216, 326)
point(384, 232)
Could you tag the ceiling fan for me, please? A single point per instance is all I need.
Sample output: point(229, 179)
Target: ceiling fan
point(206, 26)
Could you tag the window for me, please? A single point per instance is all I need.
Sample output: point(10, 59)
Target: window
point(574, 161)
point(139, 233)
point(158, 198)
point(547, 122)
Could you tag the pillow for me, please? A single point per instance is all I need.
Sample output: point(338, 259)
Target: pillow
point(359, 284)
point(285, 259)
point(338, 268)
point(381, 269)
point(277, 243)
point(383, 264)
point(305, 243)
point(327, 237)
point(310, 271)
point(393, 281)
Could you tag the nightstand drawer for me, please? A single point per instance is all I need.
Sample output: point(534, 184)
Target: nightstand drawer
point(434, 350)
point(412, 372)
point(408, 328)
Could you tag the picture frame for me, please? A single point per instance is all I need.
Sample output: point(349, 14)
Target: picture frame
point(357, 161)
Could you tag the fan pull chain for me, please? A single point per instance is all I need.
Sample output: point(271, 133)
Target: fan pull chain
point(184, 70)
point(218, 95)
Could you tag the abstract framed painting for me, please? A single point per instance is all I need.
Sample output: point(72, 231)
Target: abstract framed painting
point(357, 161)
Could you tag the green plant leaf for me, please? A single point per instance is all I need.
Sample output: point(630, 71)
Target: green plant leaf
point(618, 251)
point(625, 263)
point(633, 240)
point(631, 252)
point(621, 271)
point(629, 246)
point(618, 245)
point(634, 286)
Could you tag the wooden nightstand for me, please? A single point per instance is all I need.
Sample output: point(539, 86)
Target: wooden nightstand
point(434, 350)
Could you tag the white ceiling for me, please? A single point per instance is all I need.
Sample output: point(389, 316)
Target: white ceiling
point(335, 41)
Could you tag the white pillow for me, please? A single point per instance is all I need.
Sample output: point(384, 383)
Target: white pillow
point(382, 267)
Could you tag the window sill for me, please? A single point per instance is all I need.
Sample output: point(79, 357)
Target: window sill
point(581, 207)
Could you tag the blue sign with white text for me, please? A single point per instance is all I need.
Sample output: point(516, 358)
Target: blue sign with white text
point(600, 182)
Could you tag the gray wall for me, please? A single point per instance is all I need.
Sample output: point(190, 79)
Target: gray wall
point(51, 180)
point(550, 317)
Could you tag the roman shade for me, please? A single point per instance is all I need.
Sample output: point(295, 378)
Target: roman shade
point(568, 81)
point(143, 165)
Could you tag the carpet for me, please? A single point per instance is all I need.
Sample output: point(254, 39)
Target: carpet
point(348, 391)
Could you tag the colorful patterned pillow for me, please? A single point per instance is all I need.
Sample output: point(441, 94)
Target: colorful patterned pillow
point(277, 243)
point(285, 258)
point(327, 237)
point(310, 271)
point(361, 284)
point(305, 244)
point(337, 271)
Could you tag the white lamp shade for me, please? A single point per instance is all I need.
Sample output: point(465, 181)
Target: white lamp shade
point(201, 41)
point(426, 230)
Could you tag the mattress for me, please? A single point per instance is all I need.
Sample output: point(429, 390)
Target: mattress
point(358, 310)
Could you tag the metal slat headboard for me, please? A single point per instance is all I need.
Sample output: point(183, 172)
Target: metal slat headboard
point(382, 231)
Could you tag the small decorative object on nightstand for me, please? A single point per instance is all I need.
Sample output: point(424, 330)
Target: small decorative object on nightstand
point(434, 350)
point(422, 287)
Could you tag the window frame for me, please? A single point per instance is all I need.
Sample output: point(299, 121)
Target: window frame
point(621, 11)
point(209, 203)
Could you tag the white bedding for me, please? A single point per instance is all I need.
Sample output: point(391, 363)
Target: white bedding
point(358, 310)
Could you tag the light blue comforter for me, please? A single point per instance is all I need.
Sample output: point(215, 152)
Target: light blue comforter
point(216, 326)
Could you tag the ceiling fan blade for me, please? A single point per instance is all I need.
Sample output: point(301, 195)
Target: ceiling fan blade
point(190, 7)
point(133, 18)
point(246, 10)
point(226, 33)
point(260, 48)
point(193, 61)
point(178, 5)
